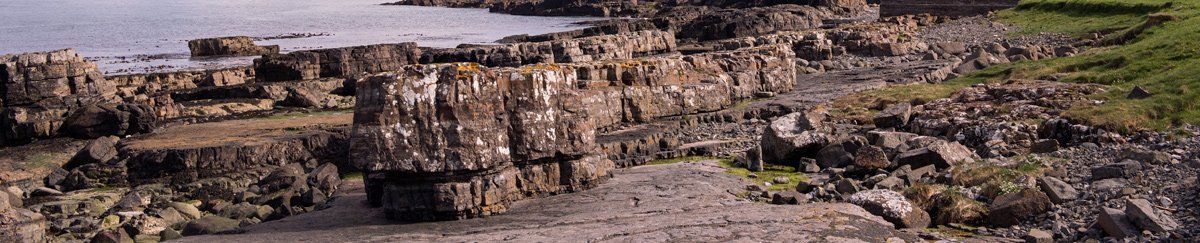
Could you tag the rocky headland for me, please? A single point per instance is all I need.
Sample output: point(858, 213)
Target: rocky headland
point(693, 121)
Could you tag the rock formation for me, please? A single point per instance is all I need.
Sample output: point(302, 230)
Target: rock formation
point(336, 62)
point(229, 46)
point(40, 90)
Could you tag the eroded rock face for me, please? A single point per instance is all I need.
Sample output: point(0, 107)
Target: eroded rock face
point(39, 89)
point(336, 62)
point(587, 49)
point(229, 46)
point(460, 140)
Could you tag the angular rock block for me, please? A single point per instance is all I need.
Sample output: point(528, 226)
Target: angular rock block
point(587, 49)
point(229, 46)
point(336, 62)
point(38, 90)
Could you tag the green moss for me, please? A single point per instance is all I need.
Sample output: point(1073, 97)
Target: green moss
point(769, 173)
point(356, 176)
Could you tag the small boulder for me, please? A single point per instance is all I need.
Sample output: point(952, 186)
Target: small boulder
point(893, 207)
point(848, 186)
point(1058, 190)
point(1044, 146)
point(169, 234)
point(894, 116)
point(754, 161)
point(781, 180)
point(791, 136)
point(1139, 93)
point(1124, 169)
point(1144, 215)
point(788, 197)
point(1010, 209)
point(98, 150)
point(186, 209)
point(834, 156)
point(942, 155)
point(209, 225)
point(871, 157)
point(44, 192)
point(895, 141)
point(1116, 224)
point(1146, 156)
point(1039, 236)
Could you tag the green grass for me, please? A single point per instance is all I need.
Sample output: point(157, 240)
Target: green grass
point(768, 175)
point(1164, 59)
point(292, 115)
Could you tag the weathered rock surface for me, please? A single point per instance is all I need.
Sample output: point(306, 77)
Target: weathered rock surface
point(893, 207)
point(229, 46)
point(336, 62)
point(587, 49)
point(684, 202)
point(40, 89)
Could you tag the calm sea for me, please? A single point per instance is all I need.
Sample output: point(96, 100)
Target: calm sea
point(151, 35)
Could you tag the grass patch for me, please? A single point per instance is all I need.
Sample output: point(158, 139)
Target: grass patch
point(1164, 59)
point(358, 176)
point(43, 160)
point(768, 175)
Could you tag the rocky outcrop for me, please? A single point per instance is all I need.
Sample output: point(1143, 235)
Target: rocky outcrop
point(532, 130)
point(336, 62)
point(732, 23)
point(229, 46)
point(605, 47)
point(943, 7)
point(40, 89)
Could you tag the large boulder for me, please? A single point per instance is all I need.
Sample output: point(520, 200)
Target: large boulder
point(893, 207)
point(110, 119)
point(1143, 214)
point(1010, 209)
point(794, 135)
point(894, 116)
point(98, 150)
point(942, 154)
point(209, 225)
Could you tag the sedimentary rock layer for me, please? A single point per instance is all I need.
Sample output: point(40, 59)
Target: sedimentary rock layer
point(604, 47)
point(336, 62)
point(460, 140)
point(38, 90)
point(229, 46)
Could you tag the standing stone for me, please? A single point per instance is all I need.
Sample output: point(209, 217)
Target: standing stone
point(754, 161)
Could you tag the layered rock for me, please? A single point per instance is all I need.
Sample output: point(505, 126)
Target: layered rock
point(229, 46)
point(604, 47)
point(40, 89)
point(336, 62)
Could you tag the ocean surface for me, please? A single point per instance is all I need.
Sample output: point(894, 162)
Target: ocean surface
point(129, 36)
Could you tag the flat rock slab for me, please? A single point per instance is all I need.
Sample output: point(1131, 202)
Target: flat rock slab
point(676, 202)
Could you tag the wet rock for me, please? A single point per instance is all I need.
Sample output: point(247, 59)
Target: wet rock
point(1124, 169)
point(1139, 93)
point(872, 157)
point(1144, 215)
point(229, 46)
point(1116, 224)
point(893, 207)
point(894, 116)
point(209, 225)
point(1010, 209)
point(1057, 190)
point(942, 155)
